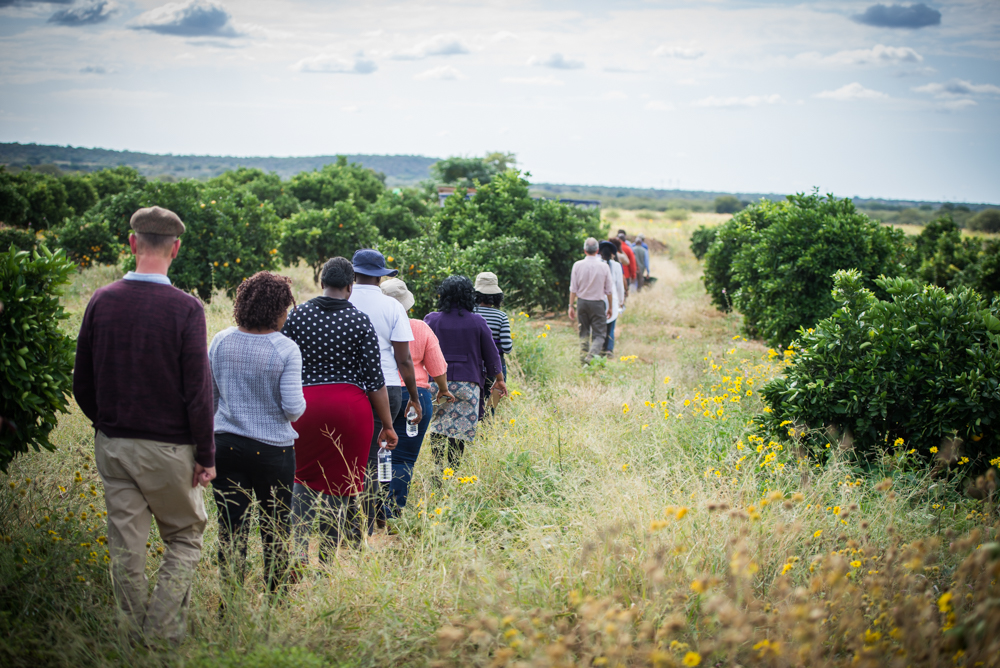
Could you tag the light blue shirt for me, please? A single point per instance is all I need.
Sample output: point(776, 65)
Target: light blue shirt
point(147, 278)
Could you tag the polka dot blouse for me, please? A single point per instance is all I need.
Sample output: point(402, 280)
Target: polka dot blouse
point(338, 344)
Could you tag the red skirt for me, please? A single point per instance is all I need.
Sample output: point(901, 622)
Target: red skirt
point(335, 434)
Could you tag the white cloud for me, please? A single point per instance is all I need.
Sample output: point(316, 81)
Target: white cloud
point(556, 61)
point(851, 92)
point(880, 54)
point(325, 63)
point(956, 105)
point(447, 44)
point(534, 81)
point(737, 102)
point(195, 18)
point(658, 105)
point(96, 12)
point(957, 88)
point(682, 52)
point(615, 95)
point(502, 36)
point(443, 73)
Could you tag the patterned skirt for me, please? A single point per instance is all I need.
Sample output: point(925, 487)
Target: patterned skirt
point(457, 419)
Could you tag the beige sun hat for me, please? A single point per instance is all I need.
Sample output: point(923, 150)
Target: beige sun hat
point(487, 283)
point(395, 288)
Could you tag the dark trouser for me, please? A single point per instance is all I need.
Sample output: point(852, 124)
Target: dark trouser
point(609, 343)
point(639, 279)
point(338, 517)
point(404, 457)
point(375, 496)
point(448, 448)
point(246, 468)
point(593, 317)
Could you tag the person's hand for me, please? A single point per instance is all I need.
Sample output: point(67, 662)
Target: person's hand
point(416, 407)
point(203, 475)
point(388, 436)
point(501, 387)
point(446, 395)
point(609, 313)
point(572, 313)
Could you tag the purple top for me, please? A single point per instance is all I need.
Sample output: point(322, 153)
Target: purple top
point(467, 344)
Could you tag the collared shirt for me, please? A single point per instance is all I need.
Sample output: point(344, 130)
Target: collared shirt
point(147, 278)
point(591, 278)
point(390, 322)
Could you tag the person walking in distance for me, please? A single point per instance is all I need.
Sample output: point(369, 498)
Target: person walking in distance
point(392, 326)
point(142, 377)
point(630, 268)
point(590, 290)
point(609, 256)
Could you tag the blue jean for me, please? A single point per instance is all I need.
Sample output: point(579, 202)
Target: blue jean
point(609, 343)
point(404, 457)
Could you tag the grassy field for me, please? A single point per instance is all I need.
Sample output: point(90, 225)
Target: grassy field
point(626, 514)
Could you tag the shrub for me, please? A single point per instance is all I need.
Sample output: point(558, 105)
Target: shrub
point(923, 367)
point(36, 358)
point(400, 213)
point(784, 270)
point(521, 276)
point(319, 234)
point(727, 204)
point(267, 188)
point(701, 239)
point(322, 188)
point(424, 262)
point(730, 237)
point(945, 257)
point(987, 220)
point(20, 239)
point(115, 180)
point(677, 214)
point(88, 241)
point(40, 201)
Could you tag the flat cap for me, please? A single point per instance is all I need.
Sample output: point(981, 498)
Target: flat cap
point(157, 220)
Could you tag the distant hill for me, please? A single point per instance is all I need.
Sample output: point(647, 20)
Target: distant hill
point(398, 169)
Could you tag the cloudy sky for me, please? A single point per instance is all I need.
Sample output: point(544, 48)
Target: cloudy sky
point(742, 95)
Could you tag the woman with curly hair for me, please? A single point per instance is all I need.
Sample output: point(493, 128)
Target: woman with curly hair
point(467, 345)
point(257, 387)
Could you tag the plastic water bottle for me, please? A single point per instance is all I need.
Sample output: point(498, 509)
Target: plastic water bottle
point(411, 425)
point(384, 464)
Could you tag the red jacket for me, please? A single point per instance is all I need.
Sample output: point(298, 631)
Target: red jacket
point(629, 271)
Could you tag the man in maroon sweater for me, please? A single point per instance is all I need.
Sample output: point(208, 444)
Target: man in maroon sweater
point(142, 377)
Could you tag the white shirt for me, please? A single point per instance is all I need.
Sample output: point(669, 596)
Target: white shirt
point(617, 290)
point(390, 322)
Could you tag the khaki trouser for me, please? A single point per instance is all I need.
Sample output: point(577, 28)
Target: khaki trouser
point(592, 315)
point(145, 479)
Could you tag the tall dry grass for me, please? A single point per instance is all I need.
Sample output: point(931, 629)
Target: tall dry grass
point(597, 520)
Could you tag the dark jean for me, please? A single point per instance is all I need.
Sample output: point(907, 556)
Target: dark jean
point(609, 343)
point(246, 468)
point(404, 457)
point(375, 496)
point(335, 518)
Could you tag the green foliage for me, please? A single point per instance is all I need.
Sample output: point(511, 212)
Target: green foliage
point(401, 213)
point(423, 262)
point(267, 188)
point(923, 367)
point(32, 199)
point(317, 235)
point(467, 172)
point(88, 241)
point(36, 358)
point(677, 214)
point(782, 256)
point(115, 180)
point(944, 256)
point(20, 239)
point(987, 220)
point(727, 204)
point(521, 276)
point(701, 239)
point(323, 188)
point(80, 193)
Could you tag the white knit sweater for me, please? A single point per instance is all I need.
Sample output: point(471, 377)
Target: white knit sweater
point(257, 385)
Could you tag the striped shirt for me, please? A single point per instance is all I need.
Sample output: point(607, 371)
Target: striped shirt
point(499, 325)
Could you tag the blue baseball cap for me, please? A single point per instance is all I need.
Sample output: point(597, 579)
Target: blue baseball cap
point(371, 263)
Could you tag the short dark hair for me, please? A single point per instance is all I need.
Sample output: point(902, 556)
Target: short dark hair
point(456, 292)
point(337, 272)
point(490, 300)
point(155, 244)
point(261, 299)
point(622, 232)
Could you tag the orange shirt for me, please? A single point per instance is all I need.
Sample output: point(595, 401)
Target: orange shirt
point(428, 361)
